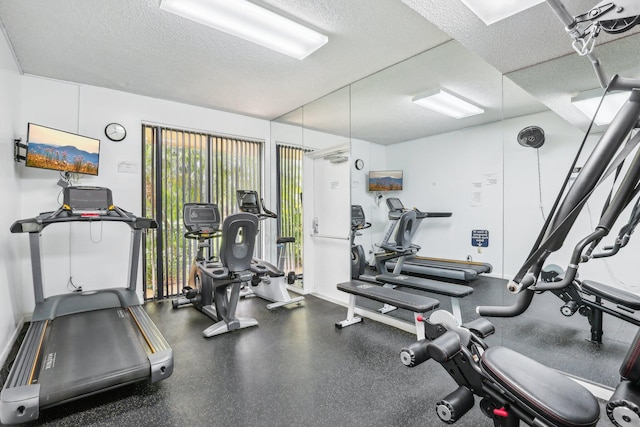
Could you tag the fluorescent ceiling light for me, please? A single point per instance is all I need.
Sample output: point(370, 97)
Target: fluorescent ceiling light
point(446, 103)
point(251, 22)
point(491, 11)
point(587, 102)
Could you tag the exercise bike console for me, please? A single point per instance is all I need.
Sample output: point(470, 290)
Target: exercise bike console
point(201, 218)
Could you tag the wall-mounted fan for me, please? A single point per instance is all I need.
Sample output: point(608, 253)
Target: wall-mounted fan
point(532, 136)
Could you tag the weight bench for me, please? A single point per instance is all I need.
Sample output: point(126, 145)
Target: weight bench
point(452, 290)
point(417, 304)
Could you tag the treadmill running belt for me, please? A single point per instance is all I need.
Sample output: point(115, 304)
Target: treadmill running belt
point(86, 352)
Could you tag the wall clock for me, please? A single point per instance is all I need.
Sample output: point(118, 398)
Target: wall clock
point(115, 131)
point(359, 164)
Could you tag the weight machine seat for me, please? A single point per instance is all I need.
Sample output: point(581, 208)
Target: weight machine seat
point(554, 397)
point(609, 293)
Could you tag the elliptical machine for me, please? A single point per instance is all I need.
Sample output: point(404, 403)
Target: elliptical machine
point(270, 281)
point(214, 284)
point(358, 223)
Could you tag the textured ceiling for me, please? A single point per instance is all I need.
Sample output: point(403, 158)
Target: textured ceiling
point(134, 46)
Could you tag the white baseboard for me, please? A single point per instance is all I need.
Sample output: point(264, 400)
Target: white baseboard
point(14, 336)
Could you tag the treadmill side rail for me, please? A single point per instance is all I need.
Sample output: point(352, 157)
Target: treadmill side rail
point(20, 404)
point(161, 357)
point(19, 399)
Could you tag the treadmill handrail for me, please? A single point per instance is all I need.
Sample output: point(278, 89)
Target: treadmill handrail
point(38, 223)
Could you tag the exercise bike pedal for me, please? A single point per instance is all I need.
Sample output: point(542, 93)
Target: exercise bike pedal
point(189, 292)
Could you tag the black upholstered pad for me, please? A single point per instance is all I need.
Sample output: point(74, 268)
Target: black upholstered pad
point(612, 294)
point(411, 302)
point(630, 367)
point(428, 285)
point(554, 397)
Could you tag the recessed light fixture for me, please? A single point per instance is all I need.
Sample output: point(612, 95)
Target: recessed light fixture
point(491, 11)
point(251, 22)
point(588, 101)
point(448, 104)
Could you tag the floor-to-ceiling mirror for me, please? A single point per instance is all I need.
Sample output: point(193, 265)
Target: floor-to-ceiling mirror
point(319, 135)
point(477, 169)
point(498, 190)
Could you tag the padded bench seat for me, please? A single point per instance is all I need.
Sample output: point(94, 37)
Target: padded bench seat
point(452, 290)
point(418, 304)
point(411, 302)
point(609, 293)
point(427, 285)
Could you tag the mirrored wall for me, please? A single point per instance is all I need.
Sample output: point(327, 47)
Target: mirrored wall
point(319, 133)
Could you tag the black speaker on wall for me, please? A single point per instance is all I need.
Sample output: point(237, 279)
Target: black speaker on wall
point(531, 136)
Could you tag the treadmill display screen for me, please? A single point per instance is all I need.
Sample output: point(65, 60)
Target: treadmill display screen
point(80, 199)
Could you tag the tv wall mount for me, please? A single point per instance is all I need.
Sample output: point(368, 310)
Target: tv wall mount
point(19, 150)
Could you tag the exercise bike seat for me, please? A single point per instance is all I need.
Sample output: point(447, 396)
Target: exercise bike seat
point(557, 400)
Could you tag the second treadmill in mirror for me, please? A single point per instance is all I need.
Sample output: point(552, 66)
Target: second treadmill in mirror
point(464, 271)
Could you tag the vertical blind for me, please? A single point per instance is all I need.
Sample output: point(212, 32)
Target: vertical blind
point(289, 173)
point(181, 167)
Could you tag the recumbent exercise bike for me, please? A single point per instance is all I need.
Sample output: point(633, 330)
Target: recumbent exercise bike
point(270, 282)
point(214, 284)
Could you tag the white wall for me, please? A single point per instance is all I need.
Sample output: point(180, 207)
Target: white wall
point(11, 285)
point(86, 110)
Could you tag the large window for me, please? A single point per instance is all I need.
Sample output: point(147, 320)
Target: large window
point(289, 164)
point(181, 167)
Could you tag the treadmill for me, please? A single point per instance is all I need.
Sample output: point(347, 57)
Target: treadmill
point(82, 343)
point(464, 271)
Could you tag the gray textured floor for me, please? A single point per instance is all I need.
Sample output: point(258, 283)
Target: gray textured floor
point(297, 369)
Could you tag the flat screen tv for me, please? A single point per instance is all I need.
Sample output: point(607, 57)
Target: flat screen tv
point(385, 180)
point(55, 149)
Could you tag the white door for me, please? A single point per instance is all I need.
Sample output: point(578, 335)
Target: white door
point(327, 222)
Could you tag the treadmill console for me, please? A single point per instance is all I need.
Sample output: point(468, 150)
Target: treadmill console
point(396, 208)
point(201, 218)
point(87, 201)
point(394, 204)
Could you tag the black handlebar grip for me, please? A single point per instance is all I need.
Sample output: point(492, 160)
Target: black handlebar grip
point(415, 354)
